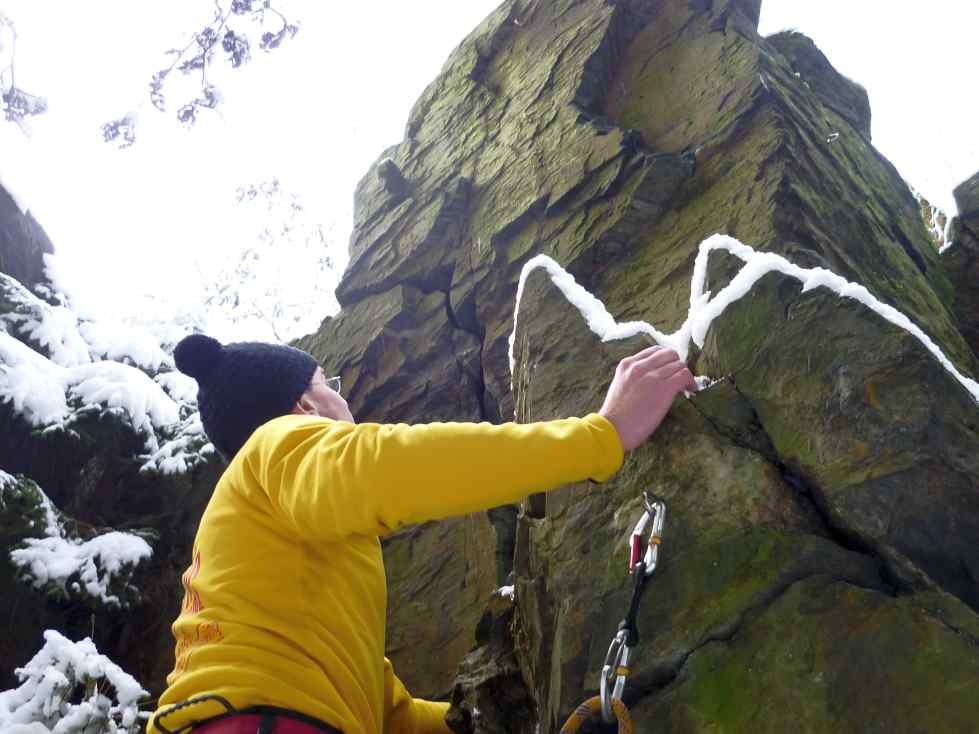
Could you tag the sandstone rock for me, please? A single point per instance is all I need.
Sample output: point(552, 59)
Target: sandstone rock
point(834, 460)
point(812, 68)
point(961, 261)
point(936, 222)
point(967, 197)
point(825, 656)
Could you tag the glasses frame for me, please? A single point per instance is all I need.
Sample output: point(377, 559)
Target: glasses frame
point(334, 383)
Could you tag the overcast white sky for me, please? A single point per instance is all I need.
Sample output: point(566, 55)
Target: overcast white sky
point(320, 109)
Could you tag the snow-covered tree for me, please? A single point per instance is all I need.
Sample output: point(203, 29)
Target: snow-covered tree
point(69, 687)
point(17, 104)
point(283, 282)
point(236, 28)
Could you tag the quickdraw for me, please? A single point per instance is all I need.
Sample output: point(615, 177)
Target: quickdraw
point(615, 669)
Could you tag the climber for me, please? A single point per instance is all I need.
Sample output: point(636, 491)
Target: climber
point(282, 626)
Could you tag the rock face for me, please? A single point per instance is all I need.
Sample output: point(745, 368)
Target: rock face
point(936, 222)
point(22, 243)
point(967, 198)
point(961, 260)
point(819, 566)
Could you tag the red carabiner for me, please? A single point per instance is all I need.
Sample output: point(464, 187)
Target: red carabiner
point(636, 553)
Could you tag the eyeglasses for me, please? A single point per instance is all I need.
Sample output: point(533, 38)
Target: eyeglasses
point(334, 384)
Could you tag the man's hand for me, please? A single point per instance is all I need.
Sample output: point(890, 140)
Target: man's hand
point(642, 392)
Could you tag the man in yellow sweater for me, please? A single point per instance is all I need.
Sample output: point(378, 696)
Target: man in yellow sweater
point(283, 619)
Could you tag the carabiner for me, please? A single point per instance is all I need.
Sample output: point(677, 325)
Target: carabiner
point(655, 512)
point(615, 669)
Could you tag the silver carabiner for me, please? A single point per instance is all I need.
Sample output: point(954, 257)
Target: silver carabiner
point(655, 512)
point(615, 670)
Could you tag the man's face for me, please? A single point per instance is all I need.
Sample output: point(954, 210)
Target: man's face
point(320, 400)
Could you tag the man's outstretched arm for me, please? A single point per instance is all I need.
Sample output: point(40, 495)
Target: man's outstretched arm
point(332, 479)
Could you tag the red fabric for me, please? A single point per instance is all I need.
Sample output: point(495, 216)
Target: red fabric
point(249, 723)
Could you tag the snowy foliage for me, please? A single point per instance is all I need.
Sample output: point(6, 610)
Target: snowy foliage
point(51, 396)
point(65, 689)
point(53, 328)
point(48, 375)
point(281, 286)
point(178, 386)
point(17, 105)
point(124, 342)
point(235, 28)
point(70, 566)
point(185, 447)
point(704, 307)
point(64, 565)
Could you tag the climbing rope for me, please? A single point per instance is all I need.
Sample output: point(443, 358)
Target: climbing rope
point(593, 707)
point(608, 704)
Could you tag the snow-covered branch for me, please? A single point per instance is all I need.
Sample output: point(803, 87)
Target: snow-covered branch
point(64, 690)
point(61, 564)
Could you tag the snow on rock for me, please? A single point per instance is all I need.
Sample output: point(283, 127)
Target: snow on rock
point(54, 328)
point(63, 671)
point(704, 308)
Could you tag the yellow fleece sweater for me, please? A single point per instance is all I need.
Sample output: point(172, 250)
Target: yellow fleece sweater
point(285, 599)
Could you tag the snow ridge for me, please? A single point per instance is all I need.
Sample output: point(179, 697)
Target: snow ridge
point(704, 308)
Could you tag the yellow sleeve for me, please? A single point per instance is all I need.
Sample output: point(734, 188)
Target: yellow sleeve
point(406, 715)
point(332, 479)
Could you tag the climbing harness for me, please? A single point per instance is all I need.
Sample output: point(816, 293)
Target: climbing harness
point(615, 670)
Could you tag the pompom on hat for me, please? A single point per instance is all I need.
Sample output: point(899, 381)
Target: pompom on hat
point(242, 385)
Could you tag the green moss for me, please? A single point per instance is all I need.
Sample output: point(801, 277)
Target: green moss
point(826, 657)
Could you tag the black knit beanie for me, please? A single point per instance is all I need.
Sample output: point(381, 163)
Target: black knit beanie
point(241, 386)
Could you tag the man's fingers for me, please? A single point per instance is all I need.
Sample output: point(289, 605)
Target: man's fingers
point(677, 375)
point(640, 355)
point(656, 360)
point(666, 371)
point(683, 381)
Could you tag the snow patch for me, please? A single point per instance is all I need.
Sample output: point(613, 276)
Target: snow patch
point(185, 450)
point(54, 328)
point(704, 308)
point(51, 396)
point(178, 386)
point(74, 566)
point(87, 567)
point(42, 704)
point(121, 342)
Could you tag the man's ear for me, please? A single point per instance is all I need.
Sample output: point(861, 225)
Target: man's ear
point(303, 406)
